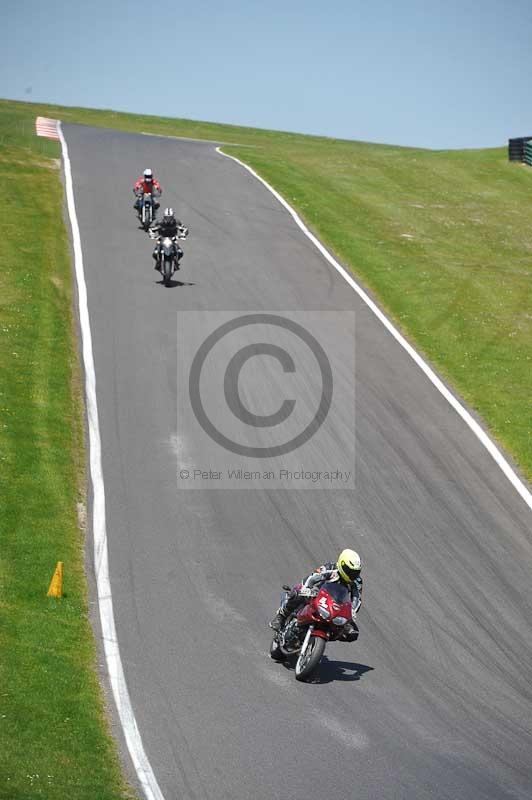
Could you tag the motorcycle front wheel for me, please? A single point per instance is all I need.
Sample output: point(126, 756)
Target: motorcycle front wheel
point(309, 660)
point(167, 271)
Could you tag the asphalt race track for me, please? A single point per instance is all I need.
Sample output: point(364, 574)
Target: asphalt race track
point(435, 700)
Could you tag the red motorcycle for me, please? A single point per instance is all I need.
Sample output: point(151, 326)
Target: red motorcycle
point(308, 629)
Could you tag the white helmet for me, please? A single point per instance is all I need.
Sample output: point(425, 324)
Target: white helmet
point(148, 175)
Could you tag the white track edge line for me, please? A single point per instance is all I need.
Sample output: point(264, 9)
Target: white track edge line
point(140, 760)
point(492, 449)
point(191, 139)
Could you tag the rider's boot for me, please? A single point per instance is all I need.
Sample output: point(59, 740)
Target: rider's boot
point(279, 620)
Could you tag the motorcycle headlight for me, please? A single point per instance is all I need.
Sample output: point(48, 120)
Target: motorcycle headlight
point(324, 614)
point(340, 620)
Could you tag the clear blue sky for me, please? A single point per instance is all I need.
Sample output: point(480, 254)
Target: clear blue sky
point(455, 73)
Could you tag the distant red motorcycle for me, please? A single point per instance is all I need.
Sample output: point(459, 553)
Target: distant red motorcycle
point(308, 629)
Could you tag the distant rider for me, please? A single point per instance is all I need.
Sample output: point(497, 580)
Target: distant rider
point(146, 184)
point(346, 570)
point(171, 227)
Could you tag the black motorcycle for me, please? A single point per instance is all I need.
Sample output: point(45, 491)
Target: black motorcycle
point(168, 258)
point(168, 255)
point(147, 210)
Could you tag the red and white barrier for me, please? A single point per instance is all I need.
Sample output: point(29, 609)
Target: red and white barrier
point(47, 127)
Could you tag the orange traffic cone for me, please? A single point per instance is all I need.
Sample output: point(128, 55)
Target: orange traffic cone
point(56, 584)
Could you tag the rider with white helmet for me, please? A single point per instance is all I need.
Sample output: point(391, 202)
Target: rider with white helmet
point(171, 227)
point(146, 184)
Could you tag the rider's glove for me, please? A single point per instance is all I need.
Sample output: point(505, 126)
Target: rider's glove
point(306, 591)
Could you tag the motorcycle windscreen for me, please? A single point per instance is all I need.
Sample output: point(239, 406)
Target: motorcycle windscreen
point(339, 593)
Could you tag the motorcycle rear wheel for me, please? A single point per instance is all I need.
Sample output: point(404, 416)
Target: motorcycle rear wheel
point(307, 662)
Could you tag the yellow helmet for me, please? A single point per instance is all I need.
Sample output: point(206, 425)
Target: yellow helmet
point(348, 565)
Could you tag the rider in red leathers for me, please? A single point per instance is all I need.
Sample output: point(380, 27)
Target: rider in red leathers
point(146, 184)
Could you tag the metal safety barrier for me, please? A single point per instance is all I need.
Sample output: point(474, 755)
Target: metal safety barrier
point(516, 148)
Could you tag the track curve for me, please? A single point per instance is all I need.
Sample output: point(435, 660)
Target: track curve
point(436, 699)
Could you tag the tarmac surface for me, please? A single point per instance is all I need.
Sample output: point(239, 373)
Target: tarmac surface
point(435, 699)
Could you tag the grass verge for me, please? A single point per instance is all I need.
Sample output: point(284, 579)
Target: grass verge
point(442, 241)
point(54, 738)
point(441, 238)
